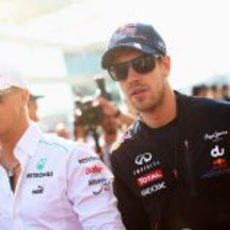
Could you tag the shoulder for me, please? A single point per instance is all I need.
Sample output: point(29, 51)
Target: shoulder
point(203, 112)
point(195, 104)
point(129, 138)
point(61, 145)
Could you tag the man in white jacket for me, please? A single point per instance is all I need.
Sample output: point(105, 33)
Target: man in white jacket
point(47, 182)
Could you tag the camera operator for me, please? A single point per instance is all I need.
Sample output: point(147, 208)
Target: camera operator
point(124, 118)
point(112, 126)
point(99, 122)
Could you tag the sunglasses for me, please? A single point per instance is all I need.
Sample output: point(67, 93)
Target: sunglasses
point(143, 64)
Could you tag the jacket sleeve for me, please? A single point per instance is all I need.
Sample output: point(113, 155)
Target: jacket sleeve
point(90, 191)
point(132, 210)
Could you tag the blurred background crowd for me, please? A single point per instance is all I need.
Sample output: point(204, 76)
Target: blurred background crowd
point(215, 91)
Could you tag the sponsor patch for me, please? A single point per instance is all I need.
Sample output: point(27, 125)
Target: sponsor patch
point(99, 185)
point(154, 188)
point(216, 136)
point(146, 167)
point(143, 158)
point(88, 159)
point(38, 190)
point(150, 177)
point(39, 174)
point(214, 173)
point(93, 170)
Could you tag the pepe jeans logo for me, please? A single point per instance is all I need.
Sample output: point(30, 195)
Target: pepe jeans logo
point(143, 158)
point(216, 136)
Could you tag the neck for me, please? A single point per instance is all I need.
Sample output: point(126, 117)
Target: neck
point(164, 113)
point(9, 140)
point(110, 138)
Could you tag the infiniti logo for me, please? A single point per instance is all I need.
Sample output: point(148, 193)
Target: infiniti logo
point(143, 158)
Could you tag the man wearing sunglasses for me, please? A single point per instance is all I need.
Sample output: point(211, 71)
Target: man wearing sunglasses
point(47, 182)
point(172, 166)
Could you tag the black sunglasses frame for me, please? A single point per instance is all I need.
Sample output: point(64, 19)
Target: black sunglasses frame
point(142, 64)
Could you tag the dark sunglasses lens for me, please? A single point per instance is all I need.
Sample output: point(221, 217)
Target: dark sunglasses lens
point(144, 64)
point(119, 72)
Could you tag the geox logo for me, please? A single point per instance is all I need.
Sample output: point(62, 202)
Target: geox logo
point(154, 188)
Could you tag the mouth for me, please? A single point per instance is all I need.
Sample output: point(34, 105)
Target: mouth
point(137, 92)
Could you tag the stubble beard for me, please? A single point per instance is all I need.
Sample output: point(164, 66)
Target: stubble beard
point(152, 104)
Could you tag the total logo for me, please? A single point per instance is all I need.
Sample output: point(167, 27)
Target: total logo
point(143, 158)
point(150, 177)
point(154, 188)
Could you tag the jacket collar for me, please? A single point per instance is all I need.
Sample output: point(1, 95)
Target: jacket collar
point(27, 145)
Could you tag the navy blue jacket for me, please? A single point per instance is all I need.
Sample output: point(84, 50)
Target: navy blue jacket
point(176, 176)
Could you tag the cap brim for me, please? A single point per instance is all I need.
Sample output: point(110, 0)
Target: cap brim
point(33, 97)
point(107, 57)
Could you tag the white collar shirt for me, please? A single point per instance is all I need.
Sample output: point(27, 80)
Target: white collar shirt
point(106, 148)
point(62, 186)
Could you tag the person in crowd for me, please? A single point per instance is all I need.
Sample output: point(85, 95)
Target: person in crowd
point(62, 131)
point(110, 133)
point(113, 123)
point(124, 118)
point(33, 107)
point(202, 91)
point(226, 92)
point(47, 182)
point(172, 166)
point(102, 127)
point(216, 92)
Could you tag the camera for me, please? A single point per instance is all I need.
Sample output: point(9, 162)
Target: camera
point(89, 113)
point(88, 110)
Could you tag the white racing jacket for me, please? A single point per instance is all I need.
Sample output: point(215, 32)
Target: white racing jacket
point(63, 186)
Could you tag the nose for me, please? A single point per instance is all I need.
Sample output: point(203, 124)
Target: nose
point(132, 74)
